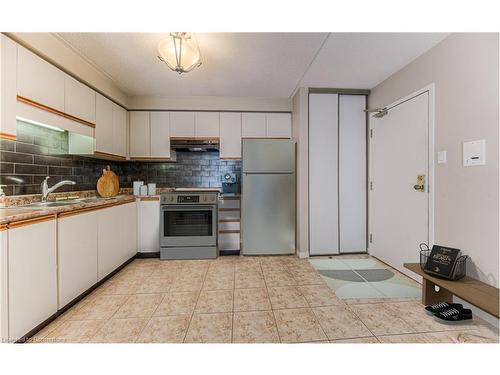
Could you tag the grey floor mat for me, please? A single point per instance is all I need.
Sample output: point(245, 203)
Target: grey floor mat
point(375, 275)
point(347, 275)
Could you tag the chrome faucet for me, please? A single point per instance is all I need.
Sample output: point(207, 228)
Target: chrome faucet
point(45, 190)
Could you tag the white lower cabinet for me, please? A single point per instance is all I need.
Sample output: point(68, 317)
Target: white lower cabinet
point(109, 240)
point(32, 276)
point(149, 226)
point(129, 212)
point(77, 255)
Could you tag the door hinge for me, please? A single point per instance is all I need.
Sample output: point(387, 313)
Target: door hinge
point(371, 133)
point(371, 185)
point(371, 238)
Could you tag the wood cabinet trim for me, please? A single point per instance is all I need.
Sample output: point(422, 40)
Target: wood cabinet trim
point(11, 137)
point(34, 220)
point(145, 199)
point(3, 227)
point(33, 103)
point(148, 158)
point(114, 156)
point(229, 231)
point(229, 209)
point(230, 158)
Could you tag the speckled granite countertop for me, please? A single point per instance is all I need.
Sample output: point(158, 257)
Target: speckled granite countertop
point(12, 214)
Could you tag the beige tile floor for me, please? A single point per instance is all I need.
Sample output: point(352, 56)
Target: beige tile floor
point(243, 300)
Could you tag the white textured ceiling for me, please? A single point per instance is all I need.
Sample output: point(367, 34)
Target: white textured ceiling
point(252, 64)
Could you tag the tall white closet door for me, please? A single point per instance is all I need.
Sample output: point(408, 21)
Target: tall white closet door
point(352, 173)
point(323, 174)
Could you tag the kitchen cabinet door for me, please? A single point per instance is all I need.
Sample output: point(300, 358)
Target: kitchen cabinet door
point(39, 81)
point(140, 134)
point(104, 125)
point(32, 276)
point(77, 255)
point(110, 240)
point(206, 124)
point(278, 125)
point(230, 135)
point(160, 134)
point(79, 99)
point(182, 124)
point(119, 131)
point(129, 211)
point(149, 226)
point(253, 125)
point(8, 87)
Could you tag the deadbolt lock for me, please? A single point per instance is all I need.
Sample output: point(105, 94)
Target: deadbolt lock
point(420, 186)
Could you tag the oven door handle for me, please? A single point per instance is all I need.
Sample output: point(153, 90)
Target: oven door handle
point(185, 208)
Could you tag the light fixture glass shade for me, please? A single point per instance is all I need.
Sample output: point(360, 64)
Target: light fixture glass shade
point(180, 52)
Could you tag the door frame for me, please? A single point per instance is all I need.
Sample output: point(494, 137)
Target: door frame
point(430, 89)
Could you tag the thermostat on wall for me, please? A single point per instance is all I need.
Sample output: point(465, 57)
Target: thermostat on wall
point(474, 153)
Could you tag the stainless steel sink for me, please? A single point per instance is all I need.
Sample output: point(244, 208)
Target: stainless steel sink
point(49, 204)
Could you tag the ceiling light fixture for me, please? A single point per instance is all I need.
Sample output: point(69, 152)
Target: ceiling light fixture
point(180, 52)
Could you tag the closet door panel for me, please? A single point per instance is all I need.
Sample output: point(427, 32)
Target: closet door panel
point(352, 173)
point(323, 174)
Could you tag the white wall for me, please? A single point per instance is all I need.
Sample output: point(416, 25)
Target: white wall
point(59, 53)
point(465, 70)
point(300, 132)
point(207, 103)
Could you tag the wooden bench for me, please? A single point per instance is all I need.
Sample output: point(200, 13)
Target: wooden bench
point(476, 292)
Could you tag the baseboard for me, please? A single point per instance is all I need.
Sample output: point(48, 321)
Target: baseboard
point(147, 255)
point(229, 252)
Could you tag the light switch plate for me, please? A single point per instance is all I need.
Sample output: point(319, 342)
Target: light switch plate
point(474, 153)
point(441, 157)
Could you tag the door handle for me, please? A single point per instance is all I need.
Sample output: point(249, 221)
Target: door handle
point(420, 185)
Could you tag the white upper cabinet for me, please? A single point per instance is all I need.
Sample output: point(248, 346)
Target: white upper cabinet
point(39, 81)
point(8, 86)
point(160, 134)
point(119, 131)
point(140, 136)
point(182, 124)
point(206, 124)
point(104, 125)
point(230, 135)
point(278, 125)
point(253, 125)
point(79, 100)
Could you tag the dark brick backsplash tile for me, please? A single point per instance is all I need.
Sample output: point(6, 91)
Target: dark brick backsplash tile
point(61, 171)
point(7, 179)
point(31, 169)
point(6, 168)
point(202, 169)
point(7, 145)
point(31, 149)
point(8, 190)
point(46, 160)
point(26, 189)
point(14, 157)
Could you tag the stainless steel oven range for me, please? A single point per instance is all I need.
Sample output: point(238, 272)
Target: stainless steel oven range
point(188, 225)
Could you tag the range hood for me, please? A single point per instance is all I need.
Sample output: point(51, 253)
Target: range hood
point(194, 144)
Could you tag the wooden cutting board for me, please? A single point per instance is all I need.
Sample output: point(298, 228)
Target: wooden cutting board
point(108, 184)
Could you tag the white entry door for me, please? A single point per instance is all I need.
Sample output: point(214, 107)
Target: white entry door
point(399, 212)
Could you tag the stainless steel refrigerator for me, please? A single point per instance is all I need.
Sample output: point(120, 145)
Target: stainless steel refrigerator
point(268, 196)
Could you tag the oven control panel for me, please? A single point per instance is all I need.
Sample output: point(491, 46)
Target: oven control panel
point(189, 198)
